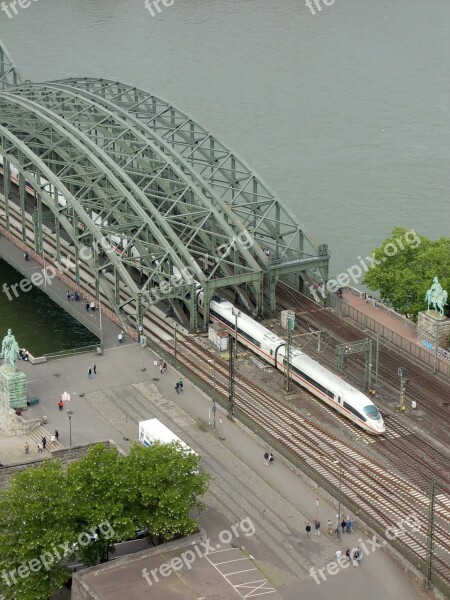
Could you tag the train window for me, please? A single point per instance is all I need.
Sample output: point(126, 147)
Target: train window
point(372, 412)
point(339, 400)
point(350, 408)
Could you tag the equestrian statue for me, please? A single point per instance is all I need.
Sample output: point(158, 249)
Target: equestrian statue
point(10, 350)
point(436, 296)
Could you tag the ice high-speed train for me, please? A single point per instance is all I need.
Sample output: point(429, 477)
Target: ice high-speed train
point(304, 370)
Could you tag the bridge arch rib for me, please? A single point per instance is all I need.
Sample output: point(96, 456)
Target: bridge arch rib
point(178, 203)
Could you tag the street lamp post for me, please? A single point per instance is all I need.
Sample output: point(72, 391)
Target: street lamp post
point(338, 462)
point(69, 416)
point(235, 314)
point(213, 360)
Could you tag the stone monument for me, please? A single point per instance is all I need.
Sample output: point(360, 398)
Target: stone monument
point(433, 327)
point(13, 384)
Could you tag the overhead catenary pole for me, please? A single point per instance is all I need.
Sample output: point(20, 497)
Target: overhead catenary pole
point(287, 370)
point(231, 377)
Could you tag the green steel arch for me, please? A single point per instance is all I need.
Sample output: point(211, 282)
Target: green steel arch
point(130, 167)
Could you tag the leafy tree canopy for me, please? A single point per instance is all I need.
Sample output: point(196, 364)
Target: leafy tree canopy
point(35, 523)
point(101, 499)
point(405, 265)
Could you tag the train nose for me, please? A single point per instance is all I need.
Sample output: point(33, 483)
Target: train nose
point(380, 426)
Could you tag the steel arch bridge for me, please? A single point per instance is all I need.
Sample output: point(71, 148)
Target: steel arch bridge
point(153, 204)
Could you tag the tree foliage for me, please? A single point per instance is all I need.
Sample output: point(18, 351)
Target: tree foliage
point(101, 499)
point(404, 268)
point(35, 518)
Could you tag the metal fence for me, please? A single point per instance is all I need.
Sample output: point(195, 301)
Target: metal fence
point(72, 352)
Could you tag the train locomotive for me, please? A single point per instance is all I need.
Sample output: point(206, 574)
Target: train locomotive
point(308, 373)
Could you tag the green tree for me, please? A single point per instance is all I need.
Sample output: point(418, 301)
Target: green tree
point(405, 267)
point(98, 489)
point(164, 486)
point(35, 525)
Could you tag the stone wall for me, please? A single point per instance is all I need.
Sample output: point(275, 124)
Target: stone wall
point(431, 329)
point(64, 455)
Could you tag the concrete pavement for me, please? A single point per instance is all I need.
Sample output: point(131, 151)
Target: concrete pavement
point(276, 500)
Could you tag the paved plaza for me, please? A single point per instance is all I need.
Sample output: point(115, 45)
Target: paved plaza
point(279, 505)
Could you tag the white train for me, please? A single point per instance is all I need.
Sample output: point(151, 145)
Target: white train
point(324, 384)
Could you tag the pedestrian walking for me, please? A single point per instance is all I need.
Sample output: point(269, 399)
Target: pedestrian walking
point(271, 458)
point(308, 530)
point(120, 337)
point(164, 367)
point(317, 527)
point(352, 524)
point(93, 306)
point(26, 255)
point(89, 373)
point(39, 446)
point(27, 448)
point(348, 525)
point(180, 383)
point(68, 294)
point(77, 296)
point(94, 368)
point(53, 440)
point(44, 441)
point(343, 525)
point(177, 387)
point(266, 458)
point(356, 557)
point(330, 527)
point(87, 306)
point(56, 434)
point(60, 405)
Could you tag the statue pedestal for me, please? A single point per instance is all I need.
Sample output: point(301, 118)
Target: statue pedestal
point(433, 327)
point(13, 388)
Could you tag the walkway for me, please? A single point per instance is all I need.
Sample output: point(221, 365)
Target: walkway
point(276, 500)
point(370, 308)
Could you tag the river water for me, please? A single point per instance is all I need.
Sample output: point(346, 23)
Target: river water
point(345, 113)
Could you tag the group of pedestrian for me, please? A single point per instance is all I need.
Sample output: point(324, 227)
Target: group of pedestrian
point(269, 458)
point(354, 556)
point(347, 524)
point(41, 446)
point(91, 370)
point(73, 296)
point(90, 306)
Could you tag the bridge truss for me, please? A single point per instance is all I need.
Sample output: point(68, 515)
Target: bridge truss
point(161, 204)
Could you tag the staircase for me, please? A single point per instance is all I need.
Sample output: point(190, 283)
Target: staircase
point(36, 436)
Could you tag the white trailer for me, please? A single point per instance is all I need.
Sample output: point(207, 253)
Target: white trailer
point(152, 431)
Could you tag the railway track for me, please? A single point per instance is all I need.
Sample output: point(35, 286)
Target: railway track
point(379, 491)
point(431, 393)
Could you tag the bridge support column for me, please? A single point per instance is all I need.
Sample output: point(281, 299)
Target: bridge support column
point(207, 295)
point(193, 310)
point(6, 188)
point(22, 199)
